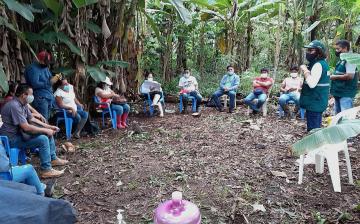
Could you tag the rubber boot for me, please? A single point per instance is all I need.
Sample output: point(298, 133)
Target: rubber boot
point(118, 122)
point(123, 119)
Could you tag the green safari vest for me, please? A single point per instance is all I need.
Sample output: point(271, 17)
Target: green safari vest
point(343, 88)
point(316, 99)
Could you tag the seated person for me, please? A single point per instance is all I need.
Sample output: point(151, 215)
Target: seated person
point(65, 99)
point(290, 89)
point(25, 131)
point(117, 103)
point(155, 95)
point(10, 95)
point(189, 87)
point(261, 86)
point(228, 85)
point(23, 174)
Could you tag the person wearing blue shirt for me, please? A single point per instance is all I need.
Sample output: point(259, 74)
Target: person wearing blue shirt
point(228, 85)
point(39, 77)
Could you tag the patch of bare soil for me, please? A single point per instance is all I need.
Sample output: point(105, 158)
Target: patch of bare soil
point(227, 164)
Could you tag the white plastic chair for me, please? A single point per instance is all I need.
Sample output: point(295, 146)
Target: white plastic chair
point(225, 99)
point(263, 107)
point(330, 153)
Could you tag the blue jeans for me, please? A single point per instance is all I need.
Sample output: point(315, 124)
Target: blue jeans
point(231, 94)
point(195, 94)
point(120, 109)
point(313, 120)
point(46, 146)
point(255, 106)
point(343, 103)
point(80, 115)
point(43, 106)
point(286, 97)
point(27, 174)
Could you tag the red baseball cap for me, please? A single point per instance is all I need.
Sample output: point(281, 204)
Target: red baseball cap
point(42, 55)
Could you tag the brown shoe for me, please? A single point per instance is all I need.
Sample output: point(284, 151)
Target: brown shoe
point(59, 162)
point(51, 173)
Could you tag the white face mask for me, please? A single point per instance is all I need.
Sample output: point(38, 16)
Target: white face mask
point(29, 98)
point(150, 79)
point(107, 87)
point(187, 75)
point(264, 75)
point(293, 75)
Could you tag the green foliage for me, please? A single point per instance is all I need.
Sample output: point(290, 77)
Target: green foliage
point(184, 13)
point(55, 6)
point(329, 135)
point(3, 79)
point(93, 27)
point(351, 58)
point(83, 3)
point(20, 8)
point(96, 73)
point(114, 63)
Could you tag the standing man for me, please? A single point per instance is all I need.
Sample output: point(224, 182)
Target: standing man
point(345, 79)
point(315, 90)
point(189, 87)
point(39, 77)
point(228, 85)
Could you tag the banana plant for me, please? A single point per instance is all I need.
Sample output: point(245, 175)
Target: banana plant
point(330, 135)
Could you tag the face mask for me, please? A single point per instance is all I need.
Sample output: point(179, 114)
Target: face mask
point(187, 75)
point(310, 57)
point(230, 73)
point(107, 87)
point(337, 53)
point(263, 75)
point(30, 98)
point(150, 79)
point(293, 75)
point(67, 88)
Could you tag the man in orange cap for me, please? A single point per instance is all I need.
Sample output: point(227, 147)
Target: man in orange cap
point(39, 77)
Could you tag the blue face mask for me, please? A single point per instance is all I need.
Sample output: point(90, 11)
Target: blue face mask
point(67, 88)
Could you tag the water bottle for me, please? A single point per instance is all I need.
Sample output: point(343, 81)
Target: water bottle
point(177, 211)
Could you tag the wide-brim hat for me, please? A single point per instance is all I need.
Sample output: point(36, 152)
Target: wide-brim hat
point(108, 81)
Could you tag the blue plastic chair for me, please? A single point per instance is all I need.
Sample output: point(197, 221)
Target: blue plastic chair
point(105, 111)
point(193, 99)
point(63, 117)
point(16, 154)
point(148, 102)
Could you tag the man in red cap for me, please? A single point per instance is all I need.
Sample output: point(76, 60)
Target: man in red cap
point(39, 77)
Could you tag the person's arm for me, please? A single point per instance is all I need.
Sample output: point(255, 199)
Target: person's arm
point(349, 75)
point(312, 77)
point(222, 82)
point(236, 83)
point(255, 83)
point(36, 114)
point(266, 84)
point(104, 95)
point(181, 84)
point(196, 84)
point(283, 87)
point(29, 128)
point(33, 78)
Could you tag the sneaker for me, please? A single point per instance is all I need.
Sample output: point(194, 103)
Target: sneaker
point(231, 111)
point(59, 162)
point(51, 173)
point(221, 109)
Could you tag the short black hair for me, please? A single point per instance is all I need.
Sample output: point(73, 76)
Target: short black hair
point(186, 69)
point(294, 68)
point(21, 89)
point(229, 66)
point(264, 70)
point(343, 44)
point(320, 54)
point(101, 85)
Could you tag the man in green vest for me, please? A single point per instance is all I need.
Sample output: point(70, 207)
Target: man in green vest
point(344, 80)
point(315, 91)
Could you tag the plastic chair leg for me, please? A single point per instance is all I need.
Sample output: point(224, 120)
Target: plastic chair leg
point(151, 108)
point(301, 169)
point(14, 156)
point(319, 163)
point(180, 104)
point(68, 127)
point(113, 119)
point(302, 113)
point(348, 165)
point(333, 164)
point(103, 119)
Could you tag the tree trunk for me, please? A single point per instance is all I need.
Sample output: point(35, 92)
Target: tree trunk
point(181, 55)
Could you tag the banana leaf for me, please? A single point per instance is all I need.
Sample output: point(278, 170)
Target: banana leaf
point(3, 79)
point(114, 63)
point(330, 135)
point(20, 8)
point(351, 58)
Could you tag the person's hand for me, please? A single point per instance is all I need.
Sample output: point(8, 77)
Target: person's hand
point(292, 89)
point(304, 68)
point(226, 89)
point(49, 132)
point(73, 112)
point(81, 105)
point(54, 128)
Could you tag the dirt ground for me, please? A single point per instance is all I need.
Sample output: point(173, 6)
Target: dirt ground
point(224, 163)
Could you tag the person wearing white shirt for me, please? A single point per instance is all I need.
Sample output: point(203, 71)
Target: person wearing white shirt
point(189, 87)
point(155, 94)
point(345, 79)
point(290, 88)
point(315, 90)
point(65, 99)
